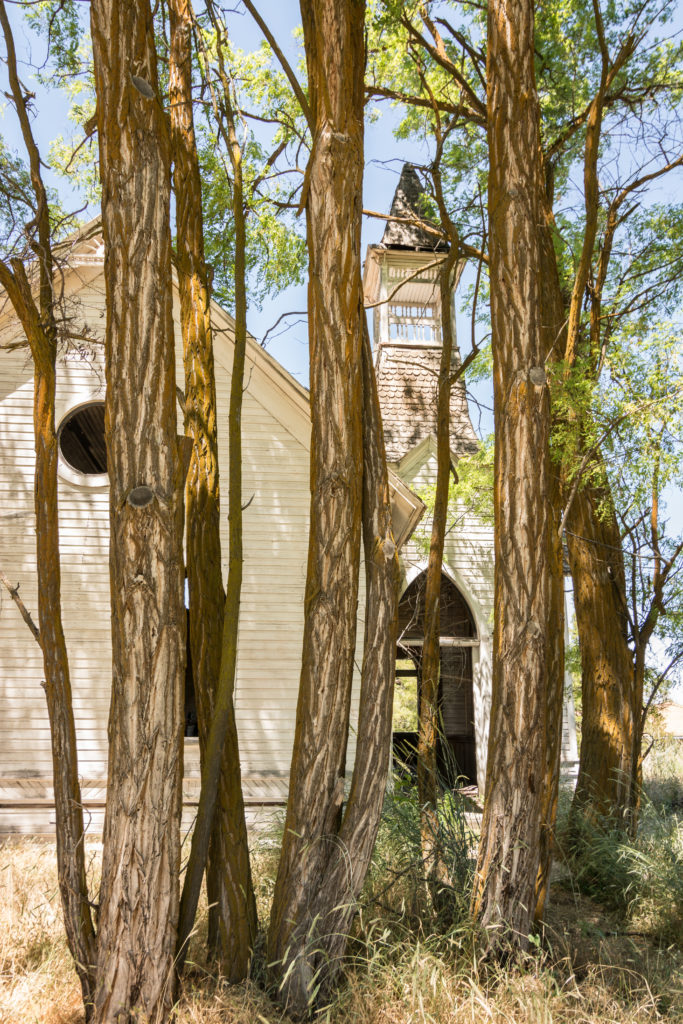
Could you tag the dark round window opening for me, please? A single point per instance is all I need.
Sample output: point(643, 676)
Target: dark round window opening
point(81, 439)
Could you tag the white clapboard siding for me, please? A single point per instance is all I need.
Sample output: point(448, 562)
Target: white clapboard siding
point(276, 472)
point(468, 550)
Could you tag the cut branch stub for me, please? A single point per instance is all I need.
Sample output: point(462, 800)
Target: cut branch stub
point(143, 87)
point(141, 496)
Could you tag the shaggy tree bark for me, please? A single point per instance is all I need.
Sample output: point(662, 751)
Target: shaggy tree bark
point(39, 324)
point(324, 926)
point(334, 42)
point(609, 722)
point(232, 917)
point(614, 641)
point(141, 854)
point(333, 906)
point(528, 631)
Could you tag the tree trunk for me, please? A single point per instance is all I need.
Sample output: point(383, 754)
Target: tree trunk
point(40, 327)
point(332, 906)
point(640, 712)
point(429, 729)
point(528, 631)
point(610, 707)
point(42, 337)
point(141, 841)
point(232, 914)
point(334, 42)
point(68, 806)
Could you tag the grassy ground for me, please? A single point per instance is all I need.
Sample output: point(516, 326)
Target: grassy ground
point(610, 951)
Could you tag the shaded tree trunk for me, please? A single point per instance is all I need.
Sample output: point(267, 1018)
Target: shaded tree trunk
point(429, 726)
point(334, 42)
point(80, 932)
point(232, 914)
point(141, 841)
point(68, 806)
point(39, 324)
point(528, 631)
point(610, 705)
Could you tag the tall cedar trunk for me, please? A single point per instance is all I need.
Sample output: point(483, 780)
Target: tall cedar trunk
point(610, 704)
point(232, 917)
point(40, 327)
point(334, 42)
point(429, 726)
point(141, 854)
point(528, 632)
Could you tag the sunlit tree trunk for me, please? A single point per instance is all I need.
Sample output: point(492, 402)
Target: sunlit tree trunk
point(141, 841)
point(38, 321)
point(232, 917)
point(528, 629)
point(68, 805)
point(334, 42)
point(334, 905)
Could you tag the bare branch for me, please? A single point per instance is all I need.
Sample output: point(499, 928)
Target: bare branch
point(23, 610)
point(284, 63)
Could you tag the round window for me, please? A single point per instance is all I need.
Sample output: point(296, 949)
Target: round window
point(81, 439)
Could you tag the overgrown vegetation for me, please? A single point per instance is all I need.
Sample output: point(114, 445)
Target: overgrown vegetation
point(611, 946)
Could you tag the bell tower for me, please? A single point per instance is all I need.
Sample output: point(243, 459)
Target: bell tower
point(402, 287)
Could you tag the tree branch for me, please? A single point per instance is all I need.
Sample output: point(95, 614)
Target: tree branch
point(284, 63)
point(23, 610)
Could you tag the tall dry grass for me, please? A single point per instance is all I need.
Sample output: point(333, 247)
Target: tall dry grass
point(406, 964)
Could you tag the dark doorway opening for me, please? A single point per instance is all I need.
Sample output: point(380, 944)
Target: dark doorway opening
point(191, 723)
point(457, 750)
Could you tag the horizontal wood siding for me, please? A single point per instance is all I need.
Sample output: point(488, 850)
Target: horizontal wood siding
point(275, 467)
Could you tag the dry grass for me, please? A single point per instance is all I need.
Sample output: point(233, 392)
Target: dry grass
point(592, 967)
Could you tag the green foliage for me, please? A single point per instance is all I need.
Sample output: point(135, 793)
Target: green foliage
point(641, 879)
point(275, 246)
point(61, 23)
point(396, 881)
point(398, 66)
point(470, 497)
point(18, 201)
point(405, 699)
point(276, 251)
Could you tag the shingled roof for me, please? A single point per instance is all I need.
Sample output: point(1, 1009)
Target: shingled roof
point(407, 382)
point(408, 202)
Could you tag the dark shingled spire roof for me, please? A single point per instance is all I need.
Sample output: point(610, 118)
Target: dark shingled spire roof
point(408, 203)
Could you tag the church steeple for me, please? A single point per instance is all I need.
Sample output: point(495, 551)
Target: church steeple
point(418, 231)
point(401, 284)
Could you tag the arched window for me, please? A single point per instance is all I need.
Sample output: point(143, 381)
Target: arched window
point(81, 440)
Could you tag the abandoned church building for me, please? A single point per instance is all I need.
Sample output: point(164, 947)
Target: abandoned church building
point(276, 437)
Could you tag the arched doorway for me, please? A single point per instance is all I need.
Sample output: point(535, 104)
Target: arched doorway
point(458, 635)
